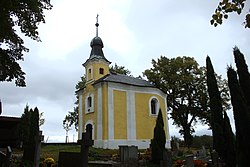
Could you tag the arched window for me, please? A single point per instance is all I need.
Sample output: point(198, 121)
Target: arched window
point(101, 71)
point(89, 103)
point(89, 73)
point(153, 106)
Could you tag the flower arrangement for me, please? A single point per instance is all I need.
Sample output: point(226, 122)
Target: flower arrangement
point(48, 162)
point(200, 163)
point(197, 163)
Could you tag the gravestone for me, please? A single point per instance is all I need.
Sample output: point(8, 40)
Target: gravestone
point(175, 147)
point(190, 160)
point(77, 159)
point(202, 153)
point(86, 142)
point(167, 159)
point(129, 155)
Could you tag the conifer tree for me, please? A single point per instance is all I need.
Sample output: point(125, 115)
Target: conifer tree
point(242, 70)
point(159, 140)
point(241, 117)
point(229, 138)
point(28, 131)
point(216, 109)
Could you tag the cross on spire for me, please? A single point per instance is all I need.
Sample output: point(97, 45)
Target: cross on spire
point(97, 24)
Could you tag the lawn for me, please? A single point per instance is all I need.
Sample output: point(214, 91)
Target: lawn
point(52, 151)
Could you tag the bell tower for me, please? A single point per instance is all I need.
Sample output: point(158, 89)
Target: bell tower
point(96, 66)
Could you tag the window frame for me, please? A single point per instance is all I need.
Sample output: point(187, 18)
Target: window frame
point(101, 71)
point(157, 106)
point(89, 105)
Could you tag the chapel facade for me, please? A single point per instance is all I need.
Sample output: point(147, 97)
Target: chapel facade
point(118, 109)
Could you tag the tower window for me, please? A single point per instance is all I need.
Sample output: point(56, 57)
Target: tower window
point(89, 71)
point(101, 71)
point(89, 103)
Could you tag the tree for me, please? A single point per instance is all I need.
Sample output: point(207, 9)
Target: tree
point(119, 69)
point(28, 132)
point(242, 70)
point(183, 81)
point(228, 6)
point(223, 137)
point(41, 119)
point(159, 140)
point(230, 143)
point(241, 117)
point(66, 127)
point(25, 15)
point(216, 109)
point(185, 85)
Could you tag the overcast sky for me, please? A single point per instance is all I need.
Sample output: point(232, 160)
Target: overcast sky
point(133, 33)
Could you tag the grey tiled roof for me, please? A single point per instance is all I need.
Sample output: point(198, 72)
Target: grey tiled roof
point(124, 79)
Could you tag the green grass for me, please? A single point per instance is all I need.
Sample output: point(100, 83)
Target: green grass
point(53, 150)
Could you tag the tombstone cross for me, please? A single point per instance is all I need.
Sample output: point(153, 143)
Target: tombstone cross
point(86, 142)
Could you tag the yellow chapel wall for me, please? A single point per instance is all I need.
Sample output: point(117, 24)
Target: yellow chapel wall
point(120, 114)
point(145, 123)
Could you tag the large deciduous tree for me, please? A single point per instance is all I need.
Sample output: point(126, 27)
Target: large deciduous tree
point(229, 6)
point(25, 15)
point(183, 81)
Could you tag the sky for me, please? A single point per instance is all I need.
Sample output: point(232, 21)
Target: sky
point(133, 33)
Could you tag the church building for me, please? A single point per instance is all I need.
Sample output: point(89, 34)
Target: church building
point(117, 109)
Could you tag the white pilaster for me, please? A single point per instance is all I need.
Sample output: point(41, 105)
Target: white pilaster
point(131, 117)
point(99, 113)
point(110, 113)
point(80, 118)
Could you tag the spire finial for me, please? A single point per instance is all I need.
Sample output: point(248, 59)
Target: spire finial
point(97, 24)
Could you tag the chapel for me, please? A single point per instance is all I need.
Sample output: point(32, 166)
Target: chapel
point(118, 109)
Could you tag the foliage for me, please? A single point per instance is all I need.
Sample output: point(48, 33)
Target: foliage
point(244, 76)
point(223, 137)
point(204, 140)
point(216, 109)
point(185, 84)
point(72, 117)
point(159, 140)
point(119, 70)
point(29, 126)
point(28, 132)
point(25, 15)
point(228, 6)
point(41, 119)
point(230, 143)
point(242, 118)
point(240, 98)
